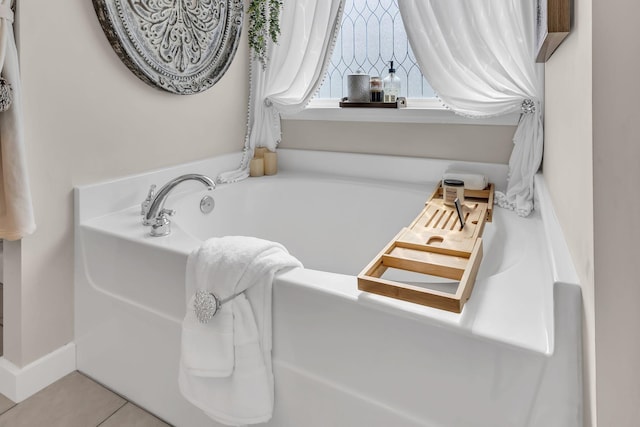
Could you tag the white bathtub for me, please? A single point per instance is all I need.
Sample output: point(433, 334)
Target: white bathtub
point(341, 357)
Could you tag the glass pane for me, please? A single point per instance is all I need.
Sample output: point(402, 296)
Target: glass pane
point(371, 35)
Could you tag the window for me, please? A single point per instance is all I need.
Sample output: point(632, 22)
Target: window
point(371, 35)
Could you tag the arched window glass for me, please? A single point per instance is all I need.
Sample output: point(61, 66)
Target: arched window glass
point(371, 35)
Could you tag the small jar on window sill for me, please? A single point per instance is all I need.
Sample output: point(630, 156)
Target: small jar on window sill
point(376, 89)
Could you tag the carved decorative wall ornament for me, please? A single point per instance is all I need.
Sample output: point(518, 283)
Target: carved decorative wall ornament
point(182, 46)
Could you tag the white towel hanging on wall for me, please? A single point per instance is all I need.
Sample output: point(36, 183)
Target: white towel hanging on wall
point(16, 209)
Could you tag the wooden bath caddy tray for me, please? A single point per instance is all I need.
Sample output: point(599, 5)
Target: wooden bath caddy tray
point(400, 103)
point(434, 245)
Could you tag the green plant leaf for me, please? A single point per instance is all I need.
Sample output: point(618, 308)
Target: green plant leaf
point(264, 25)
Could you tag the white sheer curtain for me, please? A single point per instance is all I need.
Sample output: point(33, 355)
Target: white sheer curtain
point(16, 210)
point(479, 57)
point(294, 72)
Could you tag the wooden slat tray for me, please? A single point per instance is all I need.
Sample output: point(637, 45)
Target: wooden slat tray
point(434, 245)
point(400, 103)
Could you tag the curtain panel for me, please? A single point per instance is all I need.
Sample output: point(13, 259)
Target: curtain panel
point(479, 57)
point(295, 69)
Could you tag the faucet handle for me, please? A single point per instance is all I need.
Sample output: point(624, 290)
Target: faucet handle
point(152, 190)
point(161, 225)
point(144, 206)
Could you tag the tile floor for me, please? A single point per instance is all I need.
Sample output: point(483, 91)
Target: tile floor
point(75, 401)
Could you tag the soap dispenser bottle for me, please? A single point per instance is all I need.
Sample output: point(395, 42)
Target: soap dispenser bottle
point(391, 85)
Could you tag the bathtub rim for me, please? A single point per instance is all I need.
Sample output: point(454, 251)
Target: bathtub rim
point(414, 170)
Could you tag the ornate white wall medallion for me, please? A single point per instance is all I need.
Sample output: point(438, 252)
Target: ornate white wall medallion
point(181, 46)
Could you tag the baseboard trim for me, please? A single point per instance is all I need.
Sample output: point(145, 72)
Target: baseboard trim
point(20, 383)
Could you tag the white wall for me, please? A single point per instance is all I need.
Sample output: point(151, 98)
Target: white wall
point(567, 166)
point(484, 143)
point(591, 168)
point(88, 118)
point(616, 175)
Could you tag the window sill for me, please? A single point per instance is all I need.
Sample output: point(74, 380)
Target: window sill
point(417, 111)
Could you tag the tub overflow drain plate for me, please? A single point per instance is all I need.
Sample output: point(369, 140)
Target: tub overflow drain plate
point(207, 204)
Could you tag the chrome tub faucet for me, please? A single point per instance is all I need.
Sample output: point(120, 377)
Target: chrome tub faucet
point(156, 214)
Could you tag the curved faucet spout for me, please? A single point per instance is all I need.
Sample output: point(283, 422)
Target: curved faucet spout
point(158, 201)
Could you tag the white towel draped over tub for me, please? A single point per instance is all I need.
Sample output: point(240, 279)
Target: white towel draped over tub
point(225, 364)
point(16, 210)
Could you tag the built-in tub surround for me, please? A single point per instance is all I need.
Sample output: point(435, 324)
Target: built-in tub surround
point(341, 357)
